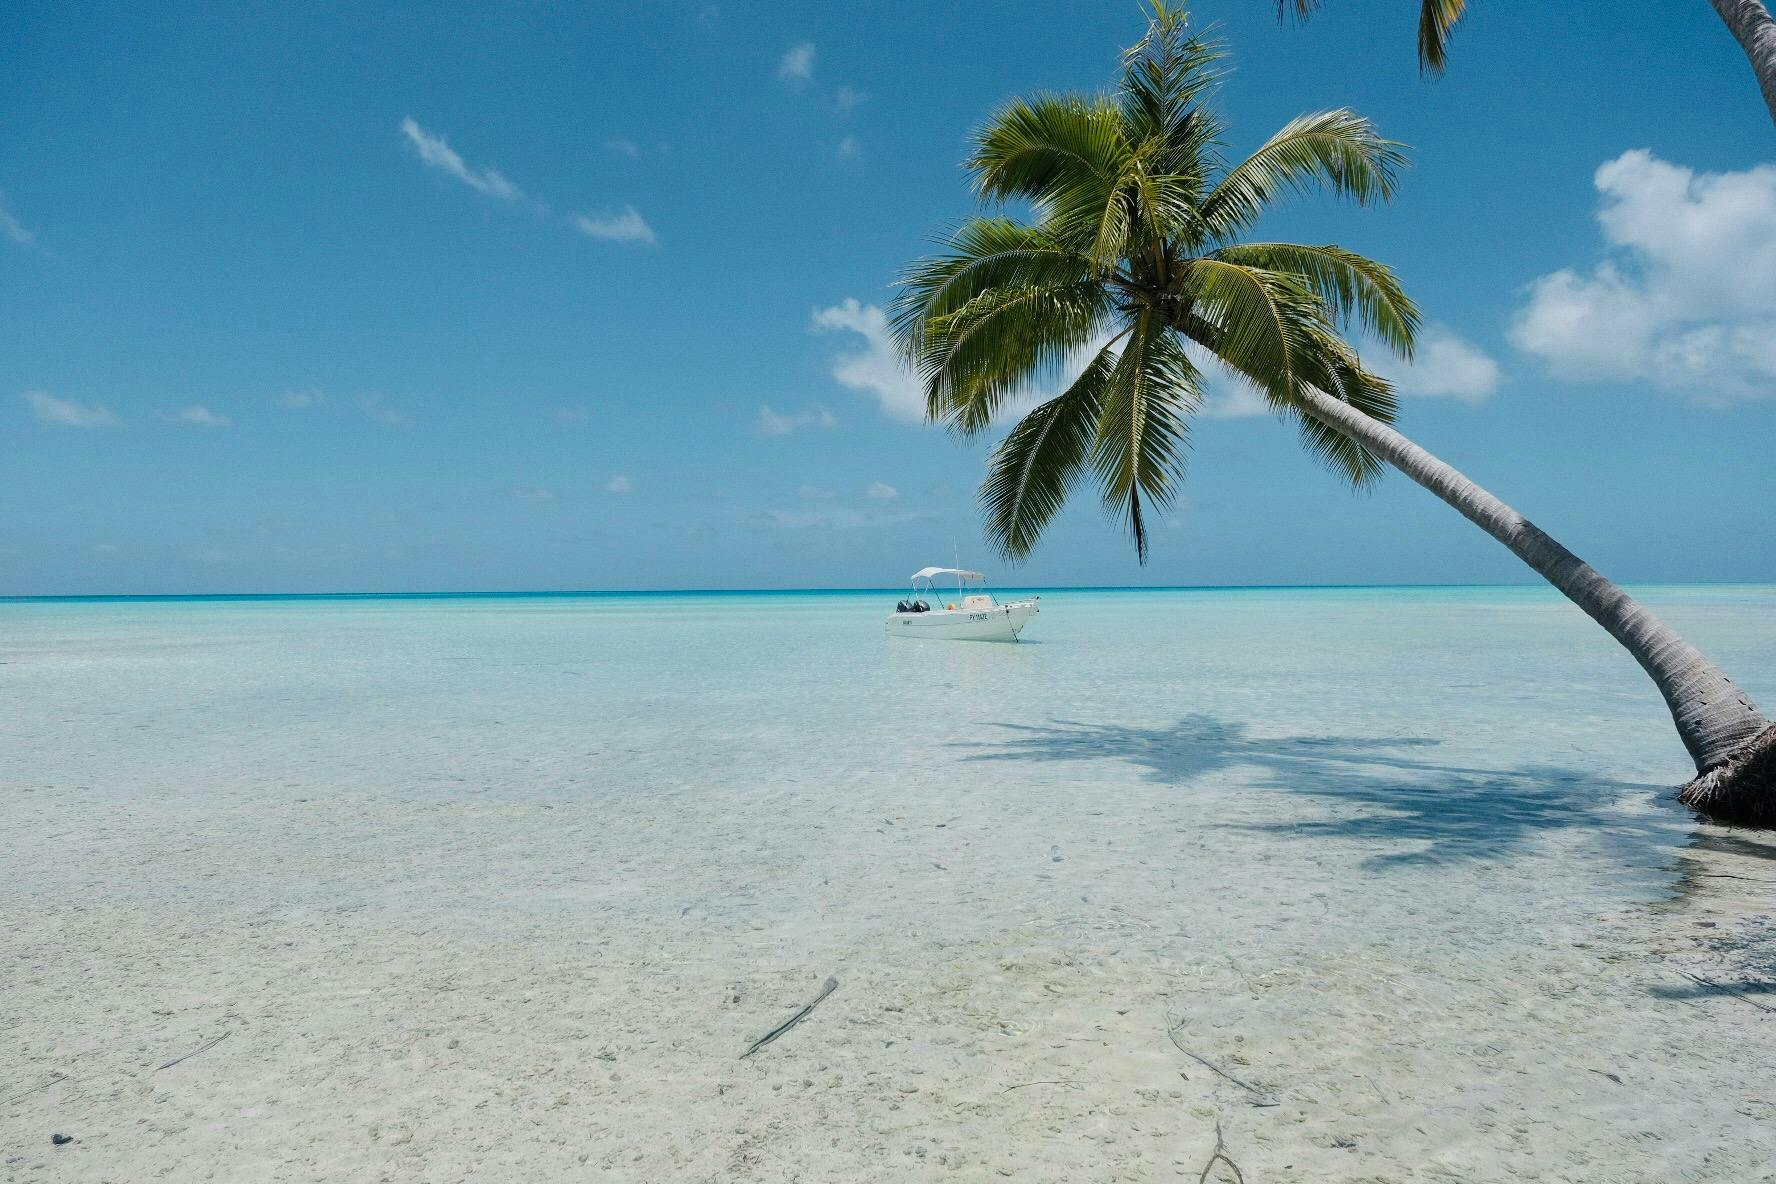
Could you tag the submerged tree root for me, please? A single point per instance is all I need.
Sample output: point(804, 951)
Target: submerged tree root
point(1741, 792)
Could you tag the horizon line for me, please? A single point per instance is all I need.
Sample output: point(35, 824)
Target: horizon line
point(568, 593)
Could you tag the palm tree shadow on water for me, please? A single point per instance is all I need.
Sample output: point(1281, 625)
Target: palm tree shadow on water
point(1429, 811)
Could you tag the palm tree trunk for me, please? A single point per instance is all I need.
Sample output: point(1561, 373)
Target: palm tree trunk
point(1733, 746)
point(1752, 27)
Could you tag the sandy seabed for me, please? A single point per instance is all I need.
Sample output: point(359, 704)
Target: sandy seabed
point(450, 940)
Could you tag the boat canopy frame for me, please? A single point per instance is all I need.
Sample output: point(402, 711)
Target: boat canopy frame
point(924, 582)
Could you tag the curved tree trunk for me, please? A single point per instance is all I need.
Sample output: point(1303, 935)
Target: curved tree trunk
point(1755, 31)
point(1733, 746)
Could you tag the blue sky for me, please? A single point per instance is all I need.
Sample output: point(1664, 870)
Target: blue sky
point(423, 297)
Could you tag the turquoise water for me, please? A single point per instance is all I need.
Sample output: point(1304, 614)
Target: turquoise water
point(1412, 844)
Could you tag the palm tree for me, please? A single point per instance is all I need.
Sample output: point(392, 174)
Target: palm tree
point(1135, 270)
point(1748, 20)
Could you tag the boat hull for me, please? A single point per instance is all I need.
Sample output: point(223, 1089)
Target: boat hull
point(1002, 622)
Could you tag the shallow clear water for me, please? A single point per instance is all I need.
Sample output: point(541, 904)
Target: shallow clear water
point(1403, 861)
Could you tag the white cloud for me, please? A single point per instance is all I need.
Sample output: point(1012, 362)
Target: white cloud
point(847, 97)
point(373, 406)
point(533, 494)
point(796, 66)
point(848, 149)
point(300, 400)
point(814, 493)
point(201, 416)
point(434, 151)
point(623, 147)
point(877, 367)
point(881, 492)
point(12, 228)
point(834, 518)
point(619, 484)
point(66, 413)
point(1233, 399)
point(622, 226)
point(1685, 298)
point(772, 423)
point(1444, 367)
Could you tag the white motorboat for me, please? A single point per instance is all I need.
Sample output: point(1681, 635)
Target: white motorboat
point(969, 613)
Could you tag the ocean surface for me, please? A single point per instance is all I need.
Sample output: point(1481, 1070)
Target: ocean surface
point(1401, 864)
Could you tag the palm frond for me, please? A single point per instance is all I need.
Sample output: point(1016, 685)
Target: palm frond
point(1339, 149)
point(1032, 471)
point(1437, 20)
point(1256, 321)
point(1353, 286)
point(1336, 370)
point(1002, 341)
point(1164, 78)
point(987, 253)
point(1062, 153)
point(1143, 424)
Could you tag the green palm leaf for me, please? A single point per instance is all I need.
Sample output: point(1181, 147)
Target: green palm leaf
point(1258, 322)
point(1351, 285)
point(1340, 374)
point(989, 254)
point(1143, 426)
point(1065, 154)
point(999, 343)
point(1337, 149)
point(1437, 20)
point(1030, 474)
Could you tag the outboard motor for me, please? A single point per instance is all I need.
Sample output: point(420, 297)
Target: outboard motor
point(903, 607)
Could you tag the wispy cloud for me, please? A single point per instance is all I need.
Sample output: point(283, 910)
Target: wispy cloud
point(876, 368)
point(437, 153)
point(533, 493)
point(1444, 367)
point(881, 491)
point(619, 484)
point(12, 228)
point(1233, 400)
point(848, 149)
point(772, 423)
point(1685, 297)
point(796, 66)
point(622, 226)
point(572, 415)
point(375, 408)
point(833, 517)
point(200, 416)
point(66, 413)
point(848, 97)
point(300, 400)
